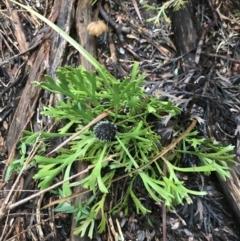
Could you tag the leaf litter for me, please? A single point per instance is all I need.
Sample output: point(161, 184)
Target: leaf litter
point(213, 87)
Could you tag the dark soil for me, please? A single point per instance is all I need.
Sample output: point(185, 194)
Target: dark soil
point(190, 58)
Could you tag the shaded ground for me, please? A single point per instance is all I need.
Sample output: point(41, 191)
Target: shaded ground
point(192, 60)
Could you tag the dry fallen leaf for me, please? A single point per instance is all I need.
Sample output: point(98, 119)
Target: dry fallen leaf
point(97, 28)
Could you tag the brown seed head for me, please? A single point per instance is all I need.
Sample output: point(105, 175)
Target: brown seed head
point(97, 28)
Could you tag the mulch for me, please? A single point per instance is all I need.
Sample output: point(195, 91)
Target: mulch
point(190, 57)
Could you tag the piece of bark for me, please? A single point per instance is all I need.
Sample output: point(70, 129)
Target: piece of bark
point(58, 43)
point(185, 36)
point(231, 188)
point(83, 18)
point(28, 101)
point(17, 27)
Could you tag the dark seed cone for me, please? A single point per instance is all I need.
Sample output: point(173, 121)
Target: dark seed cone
point(105, 131)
